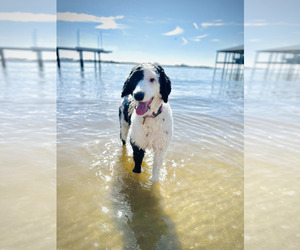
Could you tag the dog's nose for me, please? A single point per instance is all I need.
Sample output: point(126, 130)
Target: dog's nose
point(139, 96)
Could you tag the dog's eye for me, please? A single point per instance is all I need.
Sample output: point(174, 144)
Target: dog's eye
point(152, 79)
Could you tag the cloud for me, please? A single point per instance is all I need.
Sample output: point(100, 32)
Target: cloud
point(204, 25)
point(254, 40)
point(196, 26)
point(26, 17)
point(215, 40)
point(106, 22)
point(255, 24)
point(198, 38)
point(176, 31)
point(184, 41)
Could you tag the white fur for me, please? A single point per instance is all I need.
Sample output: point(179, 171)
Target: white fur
point(153, 133)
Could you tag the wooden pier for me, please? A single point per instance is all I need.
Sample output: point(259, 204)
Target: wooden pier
point(80, 50)
point(233, 63)
point(279, 63)
point(39, 50)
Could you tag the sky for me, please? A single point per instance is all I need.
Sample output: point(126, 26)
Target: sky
point(168, 32)
point(163, 31)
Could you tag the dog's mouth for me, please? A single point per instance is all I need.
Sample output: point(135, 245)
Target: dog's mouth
point(143, 107)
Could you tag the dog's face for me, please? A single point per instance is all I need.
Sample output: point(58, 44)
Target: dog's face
point(147, 82)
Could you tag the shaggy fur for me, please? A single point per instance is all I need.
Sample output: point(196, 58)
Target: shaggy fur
point(146, 114)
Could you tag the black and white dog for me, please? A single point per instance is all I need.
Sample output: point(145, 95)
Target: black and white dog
point(146, 114)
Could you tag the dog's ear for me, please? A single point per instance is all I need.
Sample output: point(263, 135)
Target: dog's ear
point(135, 76)
point(165, 83)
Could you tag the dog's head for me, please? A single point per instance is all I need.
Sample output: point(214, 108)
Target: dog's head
point(147, 82)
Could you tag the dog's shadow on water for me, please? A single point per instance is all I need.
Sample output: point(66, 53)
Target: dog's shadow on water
point(139, 213)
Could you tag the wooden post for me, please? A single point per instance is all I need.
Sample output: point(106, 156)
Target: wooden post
point(231, 69)
point(2, 58)
point(217, 56)
point(81, 59)
point(57, 58)
point(39, 58)
point(99, 57)
point(280, 67)
point(268, 66)
point(254, 66)
point(291, 68)
point(225, 61)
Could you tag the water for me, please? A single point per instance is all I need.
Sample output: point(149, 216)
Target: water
point(96, 200)
point(101, 203)
point(271, 143)
point(28, 157)
point(67, 183)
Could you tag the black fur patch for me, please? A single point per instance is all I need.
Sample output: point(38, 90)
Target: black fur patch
point(136, 75)
point(138, 155)
point(127, 116)
point(165, 83)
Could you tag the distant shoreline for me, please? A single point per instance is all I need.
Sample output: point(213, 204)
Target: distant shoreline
point(107, 62)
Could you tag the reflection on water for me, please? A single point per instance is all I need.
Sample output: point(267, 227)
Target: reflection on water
point(144, 222)
point(199, 200)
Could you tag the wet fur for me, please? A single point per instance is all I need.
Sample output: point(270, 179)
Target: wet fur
point(147, 133)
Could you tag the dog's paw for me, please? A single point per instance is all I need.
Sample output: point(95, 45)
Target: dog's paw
point(154, 179)
point(136, 170)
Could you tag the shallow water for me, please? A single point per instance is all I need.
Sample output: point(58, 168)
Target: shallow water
point(272, 160)
point(101, 203)
point(28, 157)
point(202, 200)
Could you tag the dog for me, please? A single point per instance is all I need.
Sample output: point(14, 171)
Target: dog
point(146, 115)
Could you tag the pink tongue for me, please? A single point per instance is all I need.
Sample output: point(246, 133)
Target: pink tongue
point(141, 108)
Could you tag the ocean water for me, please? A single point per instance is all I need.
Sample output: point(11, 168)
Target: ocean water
point(230, 179)
point(28, 156)
point(198, 202)
point(271, 163)
point(67, 183)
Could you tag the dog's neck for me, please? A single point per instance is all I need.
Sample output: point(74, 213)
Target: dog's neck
point(155, 106)
point(154, 111)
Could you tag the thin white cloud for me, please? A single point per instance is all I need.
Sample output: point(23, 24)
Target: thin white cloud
point(254, 40)
point(106, 22)
point(199, 38)
point(176, 31)
point(215, 40)
point(196, 26)
point(26, 17)
point(255, 24)
point(204, 25)
point(184, 41)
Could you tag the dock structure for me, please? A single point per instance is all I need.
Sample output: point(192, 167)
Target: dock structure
point(80, 50)
point(39, 50)
point(279, 63)
point(232, 61)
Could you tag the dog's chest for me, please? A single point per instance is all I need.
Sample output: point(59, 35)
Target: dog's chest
point(150, 132)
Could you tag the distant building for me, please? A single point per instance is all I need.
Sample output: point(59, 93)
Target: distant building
point(231, 63)
point(279, 63)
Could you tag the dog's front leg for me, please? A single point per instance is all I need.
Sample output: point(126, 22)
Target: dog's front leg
point(157, 162)
point(138, 155)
